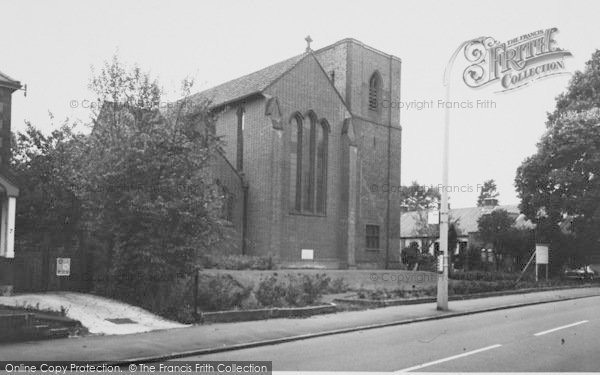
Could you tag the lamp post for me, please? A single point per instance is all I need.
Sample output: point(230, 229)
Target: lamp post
point(442, 285)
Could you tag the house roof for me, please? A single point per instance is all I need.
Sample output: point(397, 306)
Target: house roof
point(250, 84)
point(467, 219)
point(5, 80)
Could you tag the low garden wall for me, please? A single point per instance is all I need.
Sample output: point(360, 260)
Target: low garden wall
point(353, 279)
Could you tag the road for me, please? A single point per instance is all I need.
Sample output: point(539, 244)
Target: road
point(558, 336)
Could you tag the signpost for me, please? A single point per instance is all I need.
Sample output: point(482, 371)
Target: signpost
point(433, 217)
point(541, 257)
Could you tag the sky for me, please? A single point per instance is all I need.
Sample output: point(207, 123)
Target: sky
point(52, 46)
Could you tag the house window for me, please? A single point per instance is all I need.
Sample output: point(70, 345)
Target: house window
point(374, 90)
point(372, 237)
point(308, 164)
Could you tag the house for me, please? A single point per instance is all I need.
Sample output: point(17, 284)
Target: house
point(8, 190)
point(305, 139)
point(412, 224)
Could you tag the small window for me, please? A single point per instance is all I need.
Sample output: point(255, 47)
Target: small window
point(372, 236)
point(374, 90)
point(332, 76)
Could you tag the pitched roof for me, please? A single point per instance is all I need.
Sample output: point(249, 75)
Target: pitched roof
point(247, 85)
point(5, 80)
point(467, 219)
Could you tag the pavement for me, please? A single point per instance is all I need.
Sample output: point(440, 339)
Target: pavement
point(215, 338)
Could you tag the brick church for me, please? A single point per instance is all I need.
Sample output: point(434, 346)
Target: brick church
point(312, 156)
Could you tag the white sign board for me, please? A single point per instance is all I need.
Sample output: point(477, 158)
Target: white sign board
point(433, 217)
point(63, 266)
point(308, 254)
point(541, 254)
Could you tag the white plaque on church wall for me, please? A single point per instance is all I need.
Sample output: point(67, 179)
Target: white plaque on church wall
point(308, 254)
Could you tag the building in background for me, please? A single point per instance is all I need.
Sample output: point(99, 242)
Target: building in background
point(467, 227)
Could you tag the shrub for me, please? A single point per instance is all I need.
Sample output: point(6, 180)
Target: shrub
point(410, 255)
point(427, 262)
point(174, 300)
point(338, 285)
point(270, 292)
point(296, 290)
point(220, 292)
point(303, 290)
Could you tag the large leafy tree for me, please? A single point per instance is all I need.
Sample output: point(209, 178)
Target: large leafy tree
point(559, 185)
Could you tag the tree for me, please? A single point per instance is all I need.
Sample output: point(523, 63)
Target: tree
point(498, 228)
point(559, 183)
point(48, 211)
point(144, 177)
point(488, 191)
point(493, 228)
point(410, 255)
point(48, 207)
point(417, 197)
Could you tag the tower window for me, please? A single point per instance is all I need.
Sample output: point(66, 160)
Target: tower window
point(332, 76)
point(374, 91)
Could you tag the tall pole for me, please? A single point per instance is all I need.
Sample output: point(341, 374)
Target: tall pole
point(442, 285)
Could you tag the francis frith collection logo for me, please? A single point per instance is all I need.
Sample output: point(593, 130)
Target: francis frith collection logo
point(515, 63)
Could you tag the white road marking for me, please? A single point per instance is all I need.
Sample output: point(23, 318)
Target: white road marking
point(448, 359)
point(561, 327)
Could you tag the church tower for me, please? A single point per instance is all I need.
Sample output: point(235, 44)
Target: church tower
point(369, 82)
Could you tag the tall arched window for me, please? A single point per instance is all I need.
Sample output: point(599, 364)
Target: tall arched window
point(321, 140)
point(308, 133)
point(374, 90)
point(308, 163)
point(295, 162)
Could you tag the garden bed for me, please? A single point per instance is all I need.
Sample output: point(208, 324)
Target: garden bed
point(385, 302)
point(261, 314)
